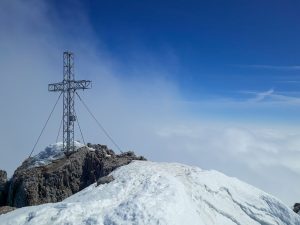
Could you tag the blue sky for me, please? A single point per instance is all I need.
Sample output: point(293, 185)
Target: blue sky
point(208, 49)
point(207, 83)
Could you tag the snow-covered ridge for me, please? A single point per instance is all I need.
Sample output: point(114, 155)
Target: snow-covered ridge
point(50, 153)
point(146, 193)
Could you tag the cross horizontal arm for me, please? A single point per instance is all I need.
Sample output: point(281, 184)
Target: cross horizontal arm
point(70, 85)
point(81, 84)
point(56, 87)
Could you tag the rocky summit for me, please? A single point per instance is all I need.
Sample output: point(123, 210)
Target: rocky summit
point(3, 186)
point(62, 177)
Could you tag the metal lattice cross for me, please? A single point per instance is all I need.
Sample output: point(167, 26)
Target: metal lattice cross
point(69, 86)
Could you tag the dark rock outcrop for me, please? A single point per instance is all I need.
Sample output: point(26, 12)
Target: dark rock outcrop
point(296, 207)
point(3, 187)
point(63, 177)
point(3, 177)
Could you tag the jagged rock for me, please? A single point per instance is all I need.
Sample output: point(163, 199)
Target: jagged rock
point(3, 176)
point(105, 180)
point(296, 207)
point(3, 185)
point(65, 176)
point(6, 209)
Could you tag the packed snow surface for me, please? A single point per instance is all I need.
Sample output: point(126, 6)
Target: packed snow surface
point(51, 152)
point(146, 193)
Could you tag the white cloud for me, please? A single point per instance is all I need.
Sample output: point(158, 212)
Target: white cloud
point(236, 149)
point(273, 97)
point(260, 96)
point(249, 100)
point(271, 67)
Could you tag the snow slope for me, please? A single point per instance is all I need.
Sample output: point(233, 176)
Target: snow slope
point(146, 193)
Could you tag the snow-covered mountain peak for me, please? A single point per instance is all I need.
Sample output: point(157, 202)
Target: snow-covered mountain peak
point(146, 193)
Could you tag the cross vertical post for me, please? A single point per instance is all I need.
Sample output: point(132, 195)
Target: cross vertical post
point(68, 102)
point(69, 86)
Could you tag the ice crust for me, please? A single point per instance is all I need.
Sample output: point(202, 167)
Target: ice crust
point(51, 152)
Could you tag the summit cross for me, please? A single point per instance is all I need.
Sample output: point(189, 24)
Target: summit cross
point(68, 87)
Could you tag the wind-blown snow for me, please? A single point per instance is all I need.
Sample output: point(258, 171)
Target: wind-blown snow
point(146, 193)
point(51, 152)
